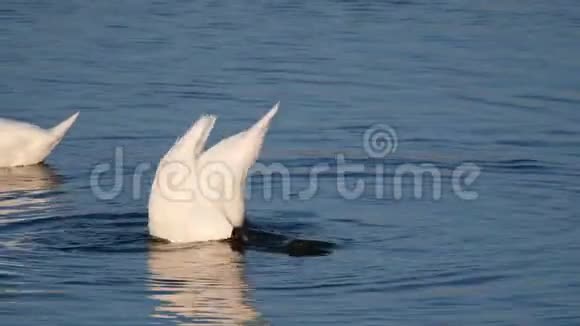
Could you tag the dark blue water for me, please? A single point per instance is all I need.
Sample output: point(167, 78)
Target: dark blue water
point(490, 84)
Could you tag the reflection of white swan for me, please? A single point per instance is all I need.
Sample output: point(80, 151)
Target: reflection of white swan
point(27, 178)
point(199, 284)
point(20, 188)
point(197, 195)
point(23, 144)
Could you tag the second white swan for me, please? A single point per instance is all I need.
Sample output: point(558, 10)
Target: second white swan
point(23, 144)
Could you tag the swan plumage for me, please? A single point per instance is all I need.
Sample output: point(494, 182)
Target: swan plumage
point(22, 143)
point(198, 195)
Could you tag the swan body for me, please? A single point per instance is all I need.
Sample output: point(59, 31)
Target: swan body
point(23, 144)
point(198, 195)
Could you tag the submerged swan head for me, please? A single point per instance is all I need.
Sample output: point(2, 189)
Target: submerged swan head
point(23, 144)
point(198, 195)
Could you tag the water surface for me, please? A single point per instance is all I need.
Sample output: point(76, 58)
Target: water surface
point(490, 83)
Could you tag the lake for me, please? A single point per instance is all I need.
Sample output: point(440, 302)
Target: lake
point(435, 143)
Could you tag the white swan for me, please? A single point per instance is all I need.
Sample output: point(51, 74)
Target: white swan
point(23, 144)
point(197, 195)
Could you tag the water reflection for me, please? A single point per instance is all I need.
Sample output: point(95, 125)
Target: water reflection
point(24, 189)
point(201, 284)
point(28, 178)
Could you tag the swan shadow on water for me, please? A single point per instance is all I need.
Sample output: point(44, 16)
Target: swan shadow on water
point(23, 189)
point(200, 283)
point(125, 233)
point(250, 236)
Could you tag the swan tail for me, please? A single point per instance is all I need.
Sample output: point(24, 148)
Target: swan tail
point(192, 143)
point(256, 134)
point(263, 124)
point(62, 128)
